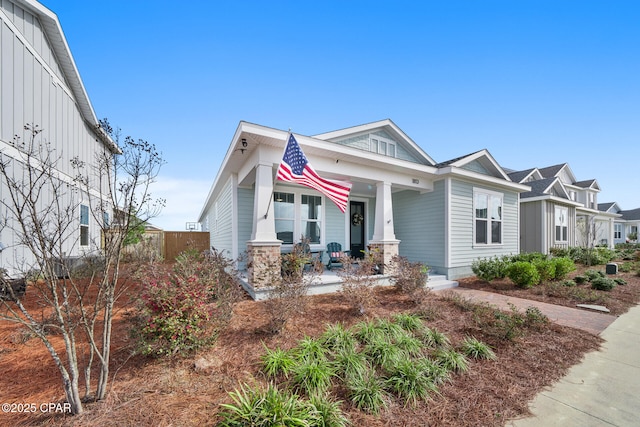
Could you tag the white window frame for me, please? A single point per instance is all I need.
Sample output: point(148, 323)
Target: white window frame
point(84, 228)
point(376, 147)
point(617, 231)
point(490, 197)
point(561, 213)
point(297, 216)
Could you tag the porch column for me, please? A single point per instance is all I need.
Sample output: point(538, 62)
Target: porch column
point(264, 248)
point(384, 238)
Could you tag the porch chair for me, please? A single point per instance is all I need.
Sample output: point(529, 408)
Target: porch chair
point(335, 253)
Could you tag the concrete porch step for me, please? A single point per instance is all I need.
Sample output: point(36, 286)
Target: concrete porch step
point(437, 282)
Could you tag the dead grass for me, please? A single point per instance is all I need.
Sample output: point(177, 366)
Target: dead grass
point(188, 391)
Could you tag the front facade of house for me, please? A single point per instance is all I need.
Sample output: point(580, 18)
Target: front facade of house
point(626, 224)
point(40, 86)
point(560, 211)
point(401, 202)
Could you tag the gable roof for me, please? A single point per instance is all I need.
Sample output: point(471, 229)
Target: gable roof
point(589, 183)
point(387, 125)
point(607, 207)
point(539, 187)
point(58, 42)
point(519, 176)
point(551, 171)
point(483, 157)
point(631, 215)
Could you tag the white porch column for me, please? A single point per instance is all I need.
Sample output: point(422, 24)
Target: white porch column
point(384, 230)
point(384, 238)
point(264, 229)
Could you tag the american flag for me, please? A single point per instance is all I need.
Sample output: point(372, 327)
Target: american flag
point(295, 167)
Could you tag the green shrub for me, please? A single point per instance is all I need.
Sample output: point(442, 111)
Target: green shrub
point(620, 281)
point(569, 283)
point(534, 317)
point(490, 269)
point(528, 257)
point(626, 267)
point(563, 266)
point(523, 274)
point(546, 269)
point(581, 279)
point(593, 274)
point(603, 284)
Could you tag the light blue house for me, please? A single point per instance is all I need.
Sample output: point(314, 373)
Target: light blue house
point(402, 201)
point(625, 228)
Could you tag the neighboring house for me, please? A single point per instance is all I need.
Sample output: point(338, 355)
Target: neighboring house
point(40, 85)
point(625, 225)
point(560, 211)
point(402, 201)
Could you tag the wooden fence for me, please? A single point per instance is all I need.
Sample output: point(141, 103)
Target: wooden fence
point(179, 241)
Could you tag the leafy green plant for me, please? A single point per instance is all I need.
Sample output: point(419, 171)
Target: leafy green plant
point(350, 363)
point(383, 353)
point(328, 413)
point(408, 322)
point(270, 407)
point(337, 338)
point(313, 376)
point(581, 279)
point(472, 347)
point(563, 266)
point(591, 274)
point(490, 269)
point(408, 380)
point(433, 338)
point(523, 274)
point(277, 362)
point(620, 281)
point(534, 317)
point(367, 393)
point(546, 269)
point(603, 284)
point(311, 349)
point(569, 283)
point(451, 360)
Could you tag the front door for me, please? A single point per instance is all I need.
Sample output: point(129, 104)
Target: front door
point(357, 230)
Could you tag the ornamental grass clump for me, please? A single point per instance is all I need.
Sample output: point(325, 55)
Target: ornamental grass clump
point(472, 347)
point(409, 381)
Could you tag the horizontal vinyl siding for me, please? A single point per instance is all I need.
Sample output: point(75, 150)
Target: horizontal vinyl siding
point(245, 218)
point(220, 220)
point(419, 222)
point(463, 250)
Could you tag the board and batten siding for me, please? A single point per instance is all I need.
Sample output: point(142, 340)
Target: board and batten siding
point(34, 90)
point(531, 223)
point(549, 208)
point(419, 222)
point(463, 250)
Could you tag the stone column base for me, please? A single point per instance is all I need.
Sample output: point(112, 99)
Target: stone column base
point(384, 252)
point(263, 266)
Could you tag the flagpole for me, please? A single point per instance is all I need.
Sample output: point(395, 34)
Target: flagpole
point(273, 186)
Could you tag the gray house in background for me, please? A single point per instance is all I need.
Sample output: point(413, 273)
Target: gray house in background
point(625, 225)
point(403, 202)
point(40, 85)
point(560, 211)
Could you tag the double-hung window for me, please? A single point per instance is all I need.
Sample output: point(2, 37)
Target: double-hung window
point(561, 224)
point(298, 215)
point(487, 207)
point(617, 231)
point(284, 213)
point(84, 225)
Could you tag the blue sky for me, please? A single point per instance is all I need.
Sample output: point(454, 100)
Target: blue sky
point(537, 83)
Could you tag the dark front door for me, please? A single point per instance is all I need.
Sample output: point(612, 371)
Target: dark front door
point(356, 225)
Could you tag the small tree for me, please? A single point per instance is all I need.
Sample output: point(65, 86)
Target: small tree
point(41, 208)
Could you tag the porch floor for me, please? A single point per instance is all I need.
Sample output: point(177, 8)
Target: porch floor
point(329, 281)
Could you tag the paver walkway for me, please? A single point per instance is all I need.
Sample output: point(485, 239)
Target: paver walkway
point(589, 321)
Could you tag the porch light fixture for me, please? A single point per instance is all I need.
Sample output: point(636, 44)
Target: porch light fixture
point(244, 142)
point(244, 146)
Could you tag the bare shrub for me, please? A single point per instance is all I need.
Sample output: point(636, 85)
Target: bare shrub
point(410, 278)
point(358, 281)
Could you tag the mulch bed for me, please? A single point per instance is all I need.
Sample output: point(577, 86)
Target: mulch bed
point(618, 300)
point(187, 391)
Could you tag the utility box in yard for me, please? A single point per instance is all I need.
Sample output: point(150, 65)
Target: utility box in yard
point(612, 268)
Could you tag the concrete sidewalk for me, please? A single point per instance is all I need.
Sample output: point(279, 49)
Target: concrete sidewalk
point(603, 390)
